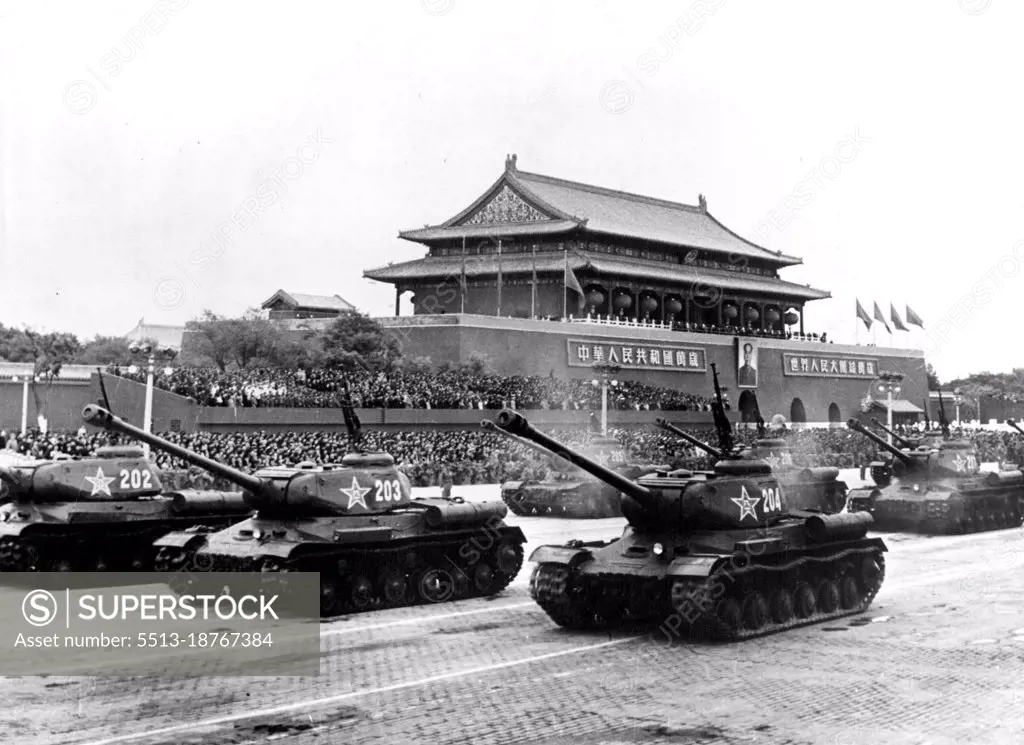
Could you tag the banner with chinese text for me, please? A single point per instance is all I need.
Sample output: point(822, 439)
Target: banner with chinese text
point(637, 356)
point(824, 365)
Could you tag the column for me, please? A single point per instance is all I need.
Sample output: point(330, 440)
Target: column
point(398, 300)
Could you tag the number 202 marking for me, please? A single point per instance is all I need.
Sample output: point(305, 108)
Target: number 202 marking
point(772, 499)
point(136, 479)
point(388, 491)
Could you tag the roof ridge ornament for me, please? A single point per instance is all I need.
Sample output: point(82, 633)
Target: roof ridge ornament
point(702, 203)
point(510, 162)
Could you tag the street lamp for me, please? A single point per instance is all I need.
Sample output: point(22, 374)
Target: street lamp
point(890, 385)
point(606, 370)
point(956, 401)
point(150, 353)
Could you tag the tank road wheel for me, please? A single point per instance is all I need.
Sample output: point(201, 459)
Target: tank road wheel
point(781, 606)
point(100, 563)
point(63, 564)
point(729, 615)
point(755, 611)
point(849, 593)
point(394, 587)
point(828, 596)
point(872, 572)
point(804, 601)
point(483, 578)
point(435, 585)
point(360, 592)
point(330, 601)
point(509, 560)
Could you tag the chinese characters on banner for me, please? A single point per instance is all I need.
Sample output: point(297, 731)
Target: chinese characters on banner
point(637, 356)
point(842, 367)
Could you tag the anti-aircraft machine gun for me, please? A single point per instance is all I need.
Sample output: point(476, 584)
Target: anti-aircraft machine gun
point(355, 523)
point(99, 513)
point(804, 488)
point(569, 491)
point(720, 551)
point(938, 489)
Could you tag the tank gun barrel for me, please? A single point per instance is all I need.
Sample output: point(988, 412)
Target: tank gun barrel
point(492, 427)
point(858, 427)
point(1016, 426)
point(97, 416)
point(901, 441)
point(512, 422)
point(669, 427)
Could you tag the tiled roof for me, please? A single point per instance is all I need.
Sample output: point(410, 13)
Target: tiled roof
point(594, 209)
point(319, 302)
point(520, 263)
point(900, 406)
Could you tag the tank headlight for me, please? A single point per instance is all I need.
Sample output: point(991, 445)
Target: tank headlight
point(658, 549)
point(917, 487)
point(257, 533)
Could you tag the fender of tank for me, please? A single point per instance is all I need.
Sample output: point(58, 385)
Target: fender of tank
point(355, 523)
point(719, 549)
point(938, 490)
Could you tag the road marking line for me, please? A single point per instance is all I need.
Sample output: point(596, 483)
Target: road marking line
point(299, 705)
point(421, 619)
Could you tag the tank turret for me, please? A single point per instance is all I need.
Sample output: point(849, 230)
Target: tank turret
point(363, 483)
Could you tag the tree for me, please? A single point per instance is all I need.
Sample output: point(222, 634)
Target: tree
point(933, 379)
point(355, 341)
point(249, 341)
point(104, 350)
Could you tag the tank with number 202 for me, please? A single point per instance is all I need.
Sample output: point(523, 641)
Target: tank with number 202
point(720, 551)
point(355, 523)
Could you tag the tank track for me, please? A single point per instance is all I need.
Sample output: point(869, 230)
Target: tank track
point(68, 552)
point(573, 507)
point(365, 579)
point(978, 518)
point(730, 605)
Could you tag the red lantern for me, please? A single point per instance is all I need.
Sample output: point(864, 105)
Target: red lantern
point(791, 318)
point(771, 315)
point(623, 301)
point(752, 315)
point(673, 306)
point(595, 297)
point(730, 312)
point(649, 304)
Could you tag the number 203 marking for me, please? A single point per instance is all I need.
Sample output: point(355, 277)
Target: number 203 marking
point(388, 491)
point(772, 499)
point(136, 479)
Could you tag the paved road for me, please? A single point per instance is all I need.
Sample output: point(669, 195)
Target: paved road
point(939, 658)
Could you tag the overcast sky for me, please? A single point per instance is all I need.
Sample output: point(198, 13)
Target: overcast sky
point(132, 132)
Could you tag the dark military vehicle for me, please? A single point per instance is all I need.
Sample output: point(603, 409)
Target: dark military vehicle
point(937, 489)
point(98, 513)
point(804, 488)
point(355, 523)
point(719, 552)
point(568, 491)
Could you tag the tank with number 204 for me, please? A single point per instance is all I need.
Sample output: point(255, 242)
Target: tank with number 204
point(569, 491)
point(96, 514)
point(719, 552)
point(355, 523)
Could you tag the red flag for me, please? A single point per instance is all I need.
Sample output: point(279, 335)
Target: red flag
point(895, 318)
point(913, 318)
point(863, 315)
point(880, 317)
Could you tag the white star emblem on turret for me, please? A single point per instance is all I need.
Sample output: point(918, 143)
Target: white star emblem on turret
point(960, 464)
point(100, 483)
point(356, 495)
point(746, 504)
point(772, 461)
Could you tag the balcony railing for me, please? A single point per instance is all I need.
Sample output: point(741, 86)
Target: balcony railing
point(699, 328)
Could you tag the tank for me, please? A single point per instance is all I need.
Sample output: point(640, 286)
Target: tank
point(355, 523)
point(815, 488)
point(937, 489)
point(718, 553)
point(568, 491)
point(99, 513)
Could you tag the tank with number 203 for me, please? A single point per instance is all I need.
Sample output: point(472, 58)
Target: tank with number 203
point(96, 514)
point(719, 552)
point(355, 523)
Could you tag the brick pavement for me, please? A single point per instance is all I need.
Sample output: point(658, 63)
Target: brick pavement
point(938, 659)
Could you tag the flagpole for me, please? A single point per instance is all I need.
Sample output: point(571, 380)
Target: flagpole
point(565, 289)
point(533, 289)
point(462, 290)
point(499, 278)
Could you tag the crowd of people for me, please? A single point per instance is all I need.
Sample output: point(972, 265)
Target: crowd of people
point(461, 389)
point(475, 456)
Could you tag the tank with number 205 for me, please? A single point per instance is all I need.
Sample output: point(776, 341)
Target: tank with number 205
point(355, 523)
point(720, 551)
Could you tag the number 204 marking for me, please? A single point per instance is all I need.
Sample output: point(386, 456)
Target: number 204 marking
point(136, 479)
point(772, 499)
point(388, 491)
